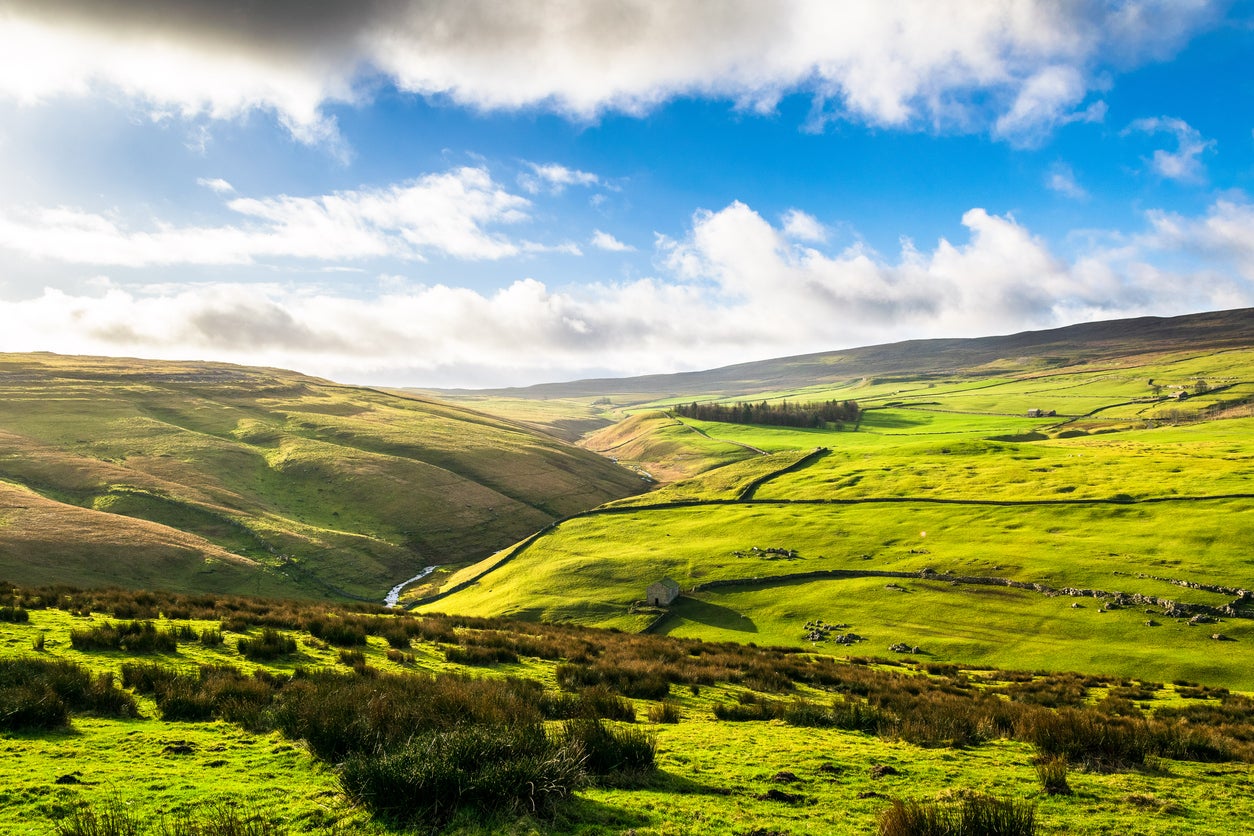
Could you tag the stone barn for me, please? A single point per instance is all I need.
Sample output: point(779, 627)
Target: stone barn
point(661, 593)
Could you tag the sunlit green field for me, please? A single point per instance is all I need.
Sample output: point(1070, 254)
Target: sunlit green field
point(947, 474)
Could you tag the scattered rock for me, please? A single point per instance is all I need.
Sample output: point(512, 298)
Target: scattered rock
point(1151, 623)
point(882, 769)
point(1077, 606)
point(1220, 637)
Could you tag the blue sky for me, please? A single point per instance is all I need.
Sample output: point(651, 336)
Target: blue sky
point(479, 194)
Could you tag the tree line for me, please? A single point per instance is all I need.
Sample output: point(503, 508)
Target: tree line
point(781, 414)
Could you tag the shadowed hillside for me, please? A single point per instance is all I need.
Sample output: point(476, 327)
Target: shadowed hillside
point(211, 476)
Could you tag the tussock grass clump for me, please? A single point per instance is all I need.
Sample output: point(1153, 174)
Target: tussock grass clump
point(608, 750)
point(976, 815)
point(476, 655)
point(597, 701)
point(215, 692)
point(494, 770)
point(1052, 773)
point(14, 615)
point(341, 632)
point(665, 712)
point(640, 681)
point(132, 637)
point(269, 646)
point(113, 818)
point(39, 694)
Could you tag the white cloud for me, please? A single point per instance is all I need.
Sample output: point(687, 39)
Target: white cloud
point(605, 241)
point(450, 214)
point(216, 184)
point(1060, 178)
point(1185, 162)
point(1019, 68)
point(554, 178)
point(734, 288)
point(803, 227)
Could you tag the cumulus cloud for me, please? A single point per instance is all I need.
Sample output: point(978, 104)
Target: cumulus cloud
point(215, 184)
point(554, 178)
point(803, 227)
point(1061, 178)
point(735, 287)
point(1185, 162)
point(452, 214)
point(605, 241)
point(1019, 68)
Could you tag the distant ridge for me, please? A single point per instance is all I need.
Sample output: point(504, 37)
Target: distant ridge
point(1056, 347)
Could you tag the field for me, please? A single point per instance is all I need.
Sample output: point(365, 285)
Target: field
point(225, 478)
point(719, 766)
point(1110, 536)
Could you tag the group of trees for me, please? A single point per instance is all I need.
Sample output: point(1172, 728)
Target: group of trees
point(781, 414)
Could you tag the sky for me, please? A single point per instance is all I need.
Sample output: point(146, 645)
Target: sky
point(473, 193)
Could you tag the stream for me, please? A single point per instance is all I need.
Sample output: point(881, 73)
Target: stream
point(395, 595)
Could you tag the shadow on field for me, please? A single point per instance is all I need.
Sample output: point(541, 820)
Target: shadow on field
point(711, 615)
point(584, 811)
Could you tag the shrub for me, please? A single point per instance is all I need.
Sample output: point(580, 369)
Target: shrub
point(211, 637)
point(978, 815)
point(221, 819)
point(491, 769)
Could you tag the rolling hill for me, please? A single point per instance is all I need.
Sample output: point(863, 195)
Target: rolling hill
point(203, 476)
point(1090, 515)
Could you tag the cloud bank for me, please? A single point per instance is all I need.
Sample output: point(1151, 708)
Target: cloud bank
point(734, 287)
point(1015, 68)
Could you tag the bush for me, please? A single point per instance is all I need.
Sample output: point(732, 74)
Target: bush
point(211, 637)
point(978, 815)
point(476, 655)
point(491, 769)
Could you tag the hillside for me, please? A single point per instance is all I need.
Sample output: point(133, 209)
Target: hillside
point(203, 476)
point(1093, 516)
point(1086, 342)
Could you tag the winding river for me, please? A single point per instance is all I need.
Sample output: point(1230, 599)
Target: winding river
point(395, 595)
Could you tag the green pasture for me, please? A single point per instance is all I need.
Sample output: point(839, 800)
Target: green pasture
point(591, 570)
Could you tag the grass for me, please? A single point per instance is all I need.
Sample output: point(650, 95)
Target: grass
point(946, 473)
point(231, 479)
point(685, 771)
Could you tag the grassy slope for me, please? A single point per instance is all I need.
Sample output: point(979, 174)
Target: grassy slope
point(930, 480)
point(327, 487)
